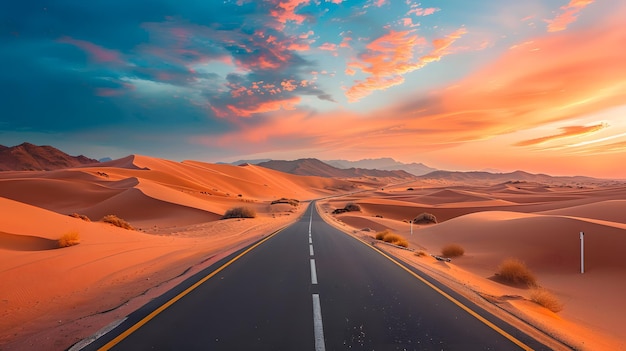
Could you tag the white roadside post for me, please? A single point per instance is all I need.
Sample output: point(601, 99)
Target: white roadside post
point(582, 252)
point(411, 221)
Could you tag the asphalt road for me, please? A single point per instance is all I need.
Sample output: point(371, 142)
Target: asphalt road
point(311, 287)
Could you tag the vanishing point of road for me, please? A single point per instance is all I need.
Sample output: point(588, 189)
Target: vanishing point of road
point(312, 287)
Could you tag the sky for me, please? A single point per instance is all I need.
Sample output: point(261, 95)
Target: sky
point(500, 85)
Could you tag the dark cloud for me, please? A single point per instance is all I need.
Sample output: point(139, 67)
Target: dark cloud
point(84, 65)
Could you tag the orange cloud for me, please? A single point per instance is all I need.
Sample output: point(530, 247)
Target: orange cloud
point(442, 45)
point(266, 106)
point(391, 56)
point(570, 77)
point(568, 15)
point(566, 133)
point(286, 11)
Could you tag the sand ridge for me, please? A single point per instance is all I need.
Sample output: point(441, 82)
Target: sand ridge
point(56, 296)
point(536, 223)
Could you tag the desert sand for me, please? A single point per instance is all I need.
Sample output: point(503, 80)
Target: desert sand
point(54, 297)
point(57, 296)
point(538, 224)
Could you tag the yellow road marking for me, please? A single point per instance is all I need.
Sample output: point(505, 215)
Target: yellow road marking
point(162, 308)
point(452, 299)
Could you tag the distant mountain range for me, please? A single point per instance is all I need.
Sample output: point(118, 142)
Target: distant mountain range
point(517, 176)
point(315, 167)
point(384, 164)
point(29, 157)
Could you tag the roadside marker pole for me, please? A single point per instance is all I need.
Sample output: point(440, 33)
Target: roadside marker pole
point(582, 252)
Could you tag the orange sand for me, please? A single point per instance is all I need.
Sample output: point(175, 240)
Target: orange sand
point(54, 297)
point(536, 223)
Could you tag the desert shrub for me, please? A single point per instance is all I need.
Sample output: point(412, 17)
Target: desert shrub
point(381, 235)
point(546, 299)
point(284, 200)
point(452, 250)
point(69, 239)
point(352, 207)
point(425, 218)
point(420, 253)
point(80, 216)
point(240, 212)
point(118, 222)
point(515, 271)
point(396, 240)
point(392, 238)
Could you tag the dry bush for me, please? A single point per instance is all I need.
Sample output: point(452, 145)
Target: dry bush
point(546, 299)
point(240, 212)
point(284, 200)
point(515, 271)
point(118, 222)
point(392, 238)
point(80, 216)
point(69, 239)
point(425, 218)
point(452, 250)
point(381, 235)
point(351, 206)
point(420, 253)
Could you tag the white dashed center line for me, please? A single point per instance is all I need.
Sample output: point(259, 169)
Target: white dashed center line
point(313, 272)
point(318, 327)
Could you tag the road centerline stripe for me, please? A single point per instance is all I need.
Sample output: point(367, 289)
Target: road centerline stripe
point(313, 272)
point(318, 327)
point(311, 250)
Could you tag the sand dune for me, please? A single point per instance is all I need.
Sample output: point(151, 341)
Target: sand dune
point(182, 202)
point(536, 223)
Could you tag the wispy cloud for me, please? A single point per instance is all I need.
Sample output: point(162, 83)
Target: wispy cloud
point(388, 58)
point(568, 15)
point(566, 132)
point(96, 52)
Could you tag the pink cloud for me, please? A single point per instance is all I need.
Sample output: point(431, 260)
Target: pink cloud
point(285, 11)
point(566, 132)
point(96, 52)
point(328, 47)
point(261, 107)
point(569, 78)
point(391, 56)
point(418, 11)
point(442, 45)
point(568, 15)
point(379, 3)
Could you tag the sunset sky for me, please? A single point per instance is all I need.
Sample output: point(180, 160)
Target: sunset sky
point(460, 85)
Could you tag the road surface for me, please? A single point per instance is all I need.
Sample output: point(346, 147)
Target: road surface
point(311, 287)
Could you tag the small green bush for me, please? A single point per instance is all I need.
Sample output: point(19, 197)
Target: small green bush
point(240, 212)
point(118, 222)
